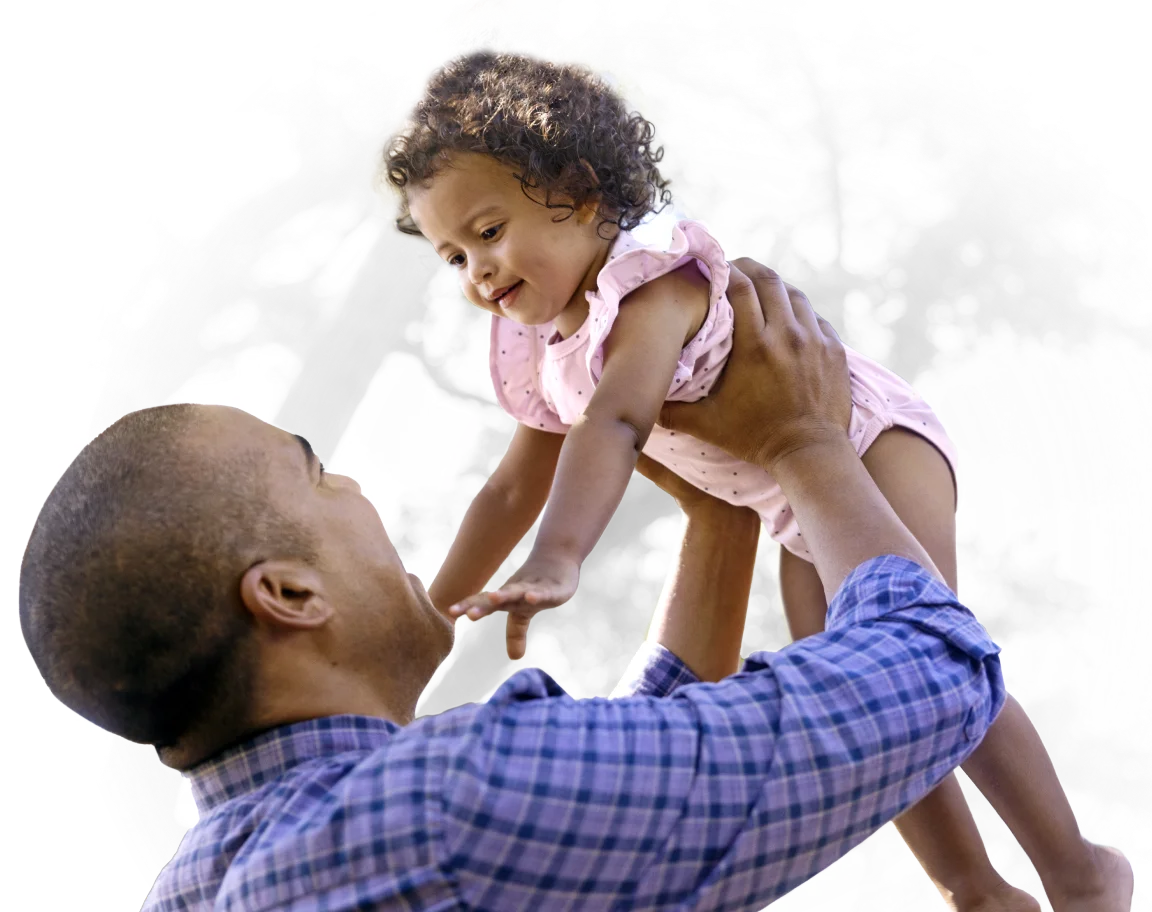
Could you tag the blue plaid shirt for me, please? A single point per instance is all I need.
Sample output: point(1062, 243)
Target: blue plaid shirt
point(679, 795)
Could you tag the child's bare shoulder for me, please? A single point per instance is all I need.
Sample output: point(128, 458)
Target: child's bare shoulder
point(684, 282)
point(683, 288)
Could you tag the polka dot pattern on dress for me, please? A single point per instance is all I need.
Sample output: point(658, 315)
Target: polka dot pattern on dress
point(555, 373)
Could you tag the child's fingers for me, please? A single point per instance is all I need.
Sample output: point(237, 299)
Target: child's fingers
point(458, 609)
point(517, 634)
point(543, 597)
point(512, 592)
point(465, 606)
point(526, 594)
point(540, 594)
point(485, 603)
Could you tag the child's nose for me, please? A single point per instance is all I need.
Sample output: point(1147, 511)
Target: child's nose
point(480, 270)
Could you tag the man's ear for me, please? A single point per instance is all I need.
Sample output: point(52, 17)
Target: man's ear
point(285, 594)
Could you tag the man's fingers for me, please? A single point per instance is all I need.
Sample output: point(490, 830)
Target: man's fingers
point(517, 635)
point(647, 466)
point(802, 308)
point(682, 416)
point(829, 331)
point(827, 328)
point(746, 314)
point(768, 292)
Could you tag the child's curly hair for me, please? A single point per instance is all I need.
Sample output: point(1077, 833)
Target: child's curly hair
point(562, 127)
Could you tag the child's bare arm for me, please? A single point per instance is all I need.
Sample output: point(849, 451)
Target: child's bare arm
point(600, 453)
point(499, 516)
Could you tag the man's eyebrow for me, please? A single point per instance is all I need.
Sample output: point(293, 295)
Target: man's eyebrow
point(309, 453)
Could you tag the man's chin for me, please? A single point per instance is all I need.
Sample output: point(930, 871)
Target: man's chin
point(421, 593)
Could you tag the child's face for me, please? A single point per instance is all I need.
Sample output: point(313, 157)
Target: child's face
point(512, 258)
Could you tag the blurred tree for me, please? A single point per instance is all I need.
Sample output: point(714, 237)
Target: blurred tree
point(151, 362)
point(995, 257)
point(995, 253)
point(342, 343)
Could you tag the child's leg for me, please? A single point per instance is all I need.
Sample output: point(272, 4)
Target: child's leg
point(1013, 771)
point(1010, 767)
point(939, 830)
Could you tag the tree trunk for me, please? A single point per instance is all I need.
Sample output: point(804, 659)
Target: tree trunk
point(827, 134)
point(386, 295)
point(149, 364)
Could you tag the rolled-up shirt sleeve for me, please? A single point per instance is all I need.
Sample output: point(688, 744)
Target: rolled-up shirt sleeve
point(723, 795)
point(655, 671)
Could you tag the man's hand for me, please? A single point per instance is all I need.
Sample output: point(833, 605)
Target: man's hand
point(541, 583)
point(786, 382)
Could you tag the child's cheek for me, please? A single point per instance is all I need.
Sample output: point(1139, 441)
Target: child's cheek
point(467, 288)
point(550, 266)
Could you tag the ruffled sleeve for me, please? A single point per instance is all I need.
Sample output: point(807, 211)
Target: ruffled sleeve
point(514, 361)
point(636, 265)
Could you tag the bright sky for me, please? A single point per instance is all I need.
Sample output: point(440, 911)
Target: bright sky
point(1045, 441)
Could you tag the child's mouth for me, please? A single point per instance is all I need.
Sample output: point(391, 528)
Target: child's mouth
point(508, 297)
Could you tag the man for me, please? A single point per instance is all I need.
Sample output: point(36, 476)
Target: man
point(197, 581)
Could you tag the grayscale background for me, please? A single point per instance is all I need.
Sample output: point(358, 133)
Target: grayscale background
point(940, 229)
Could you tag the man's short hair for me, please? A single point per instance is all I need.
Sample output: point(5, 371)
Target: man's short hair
point(129, 589)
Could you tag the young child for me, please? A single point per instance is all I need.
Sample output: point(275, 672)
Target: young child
point(527, 178)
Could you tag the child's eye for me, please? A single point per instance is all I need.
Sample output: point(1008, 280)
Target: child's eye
point(489, 233)
point(456, 260)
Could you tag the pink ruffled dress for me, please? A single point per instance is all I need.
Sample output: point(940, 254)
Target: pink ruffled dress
point(545, 382)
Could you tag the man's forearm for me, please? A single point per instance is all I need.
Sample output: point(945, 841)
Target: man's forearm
point(841, 513)
point(702, 609)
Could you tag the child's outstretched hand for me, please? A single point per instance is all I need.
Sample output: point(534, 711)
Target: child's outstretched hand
point(541, 583)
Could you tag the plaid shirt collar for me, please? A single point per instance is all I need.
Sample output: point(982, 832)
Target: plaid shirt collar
point(247, 766)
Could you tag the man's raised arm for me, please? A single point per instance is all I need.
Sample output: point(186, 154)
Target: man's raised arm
point(699, 622)
point(728, 795)
point(783, 404)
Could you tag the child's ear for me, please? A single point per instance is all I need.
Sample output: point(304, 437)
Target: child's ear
point(590, 209)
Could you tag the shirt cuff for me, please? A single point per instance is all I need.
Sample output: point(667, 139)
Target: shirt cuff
point(654, 672)
point(888, 585)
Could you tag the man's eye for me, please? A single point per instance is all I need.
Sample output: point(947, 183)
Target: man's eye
point(489, 233)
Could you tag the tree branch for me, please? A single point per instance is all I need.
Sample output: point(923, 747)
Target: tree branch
point(438, 375)
point(826, 131)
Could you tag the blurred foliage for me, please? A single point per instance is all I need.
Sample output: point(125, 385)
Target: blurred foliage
point(1001, 256)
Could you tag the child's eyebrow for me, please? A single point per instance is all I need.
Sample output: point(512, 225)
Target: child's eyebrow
point(471, 219)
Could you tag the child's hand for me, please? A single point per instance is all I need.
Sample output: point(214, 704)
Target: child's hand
point(541, 583)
